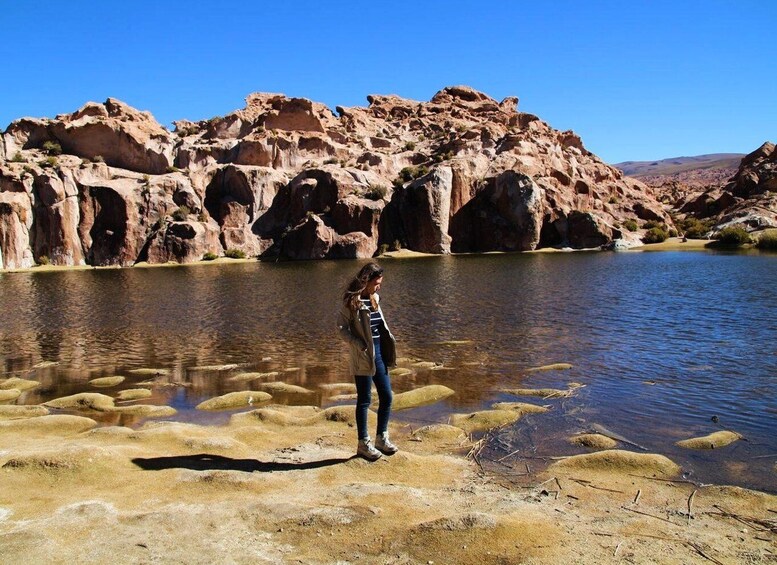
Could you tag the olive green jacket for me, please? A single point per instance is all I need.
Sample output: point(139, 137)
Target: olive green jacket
point(354, 329)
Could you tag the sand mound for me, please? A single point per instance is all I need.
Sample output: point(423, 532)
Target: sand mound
point(455, 342)
point(551, 367)
point(541, 392)
point(239, 399)
point(420, 396)
point(106, 381)
point(711, 441)
point(286, 388)
point(53, 424)
point(10, 394)
point(618, 461)
point(295, 416)
point(523, 407)
point(82, 401)
point(15, 412)
point(133, 394)
point(593, 441)
point(484, 419)
point(400, 372)
point(440, 432)
point(245, 377)
point(18, 384)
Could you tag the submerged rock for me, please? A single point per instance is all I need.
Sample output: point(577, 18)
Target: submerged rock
point(619, 461)
point(714, 440)
point(420, 397)
point(231, 400)
point(18, 384)
point(133, 394)
point(593, 441)
point(106, 381)
point(485, 419)
point(14, 412)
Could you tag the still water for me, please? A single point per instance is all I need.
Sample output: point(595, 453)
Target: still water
point(663, 342)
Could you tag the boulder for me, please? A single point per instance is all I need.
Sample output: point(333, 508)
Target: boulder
point(183, 242)
point(423, 211)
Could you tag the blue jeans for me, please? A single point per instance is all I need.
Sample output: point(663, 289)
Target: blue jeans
point(364, 396)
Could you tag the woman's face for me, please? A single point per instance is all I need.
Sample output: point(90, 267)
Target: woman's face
point(373, 286)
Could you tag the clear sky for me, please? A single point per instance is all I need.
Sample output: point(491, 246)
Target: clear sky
point(638, 80)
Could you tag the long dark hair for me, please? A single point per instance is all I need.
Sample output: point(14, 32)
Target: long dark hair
point(368, 272)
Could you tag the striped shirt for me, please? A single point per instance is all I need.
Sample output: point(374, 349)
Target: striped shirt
point(376, 320)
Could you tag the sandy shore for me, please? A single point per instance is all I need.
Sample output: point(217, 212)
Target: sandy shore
point(281, 485)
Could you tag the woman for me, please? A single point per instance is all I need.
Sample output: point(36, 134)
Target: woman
point(372, 348)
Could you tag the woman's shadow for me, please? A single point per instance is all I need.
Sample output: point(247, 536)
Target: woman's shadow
point(208, 462)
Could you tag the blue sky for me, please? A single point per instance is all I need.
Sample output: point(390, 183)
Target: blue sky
point(638, 80)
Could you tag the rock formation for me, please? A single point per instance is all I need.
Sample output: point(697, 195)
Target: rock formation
point(108, 185)
point(724, 197)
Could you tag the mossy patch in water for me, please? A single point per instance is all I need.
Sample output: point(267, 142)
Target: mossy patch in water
point(551, 367)
point(246, 377)
point(215, 368)
point(14, 412)
point(455, 342)
point(424, 364)
point(339, 388)
point(524, 407)
point(279, 387)
point(714, 440)
point(18, 384)
point(400, 372)
point(232, 400)
point(133, 394)
point(10, 394)
point(485, 419)
point(541, 392)
point(619, 461)
point(440, 432)
point(145, 410)
point(593, 441)
point(104, 382)
point(82, 401)
point(148, 372)
point(421, 397)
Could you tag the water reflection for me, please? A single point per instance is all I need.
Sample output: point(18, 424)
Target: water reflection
point(663, 342)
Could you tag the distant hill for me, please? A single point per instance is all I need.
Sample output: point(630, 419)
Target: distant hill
point(677, 165)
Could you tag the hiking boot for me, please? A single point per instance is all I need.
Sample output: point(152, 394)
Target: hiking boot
point(383, 443)
point(367, 450)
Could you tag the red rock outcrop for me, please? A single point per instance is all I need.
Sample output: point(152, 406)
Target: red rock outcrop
point(748, 198)
point(287, 176)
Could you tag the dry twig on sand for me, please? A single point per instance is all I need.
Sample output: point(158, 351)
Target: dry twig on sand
point(646, 514)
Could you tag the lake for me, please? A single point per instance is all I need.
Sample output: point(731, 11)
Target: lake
point(668, 345)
